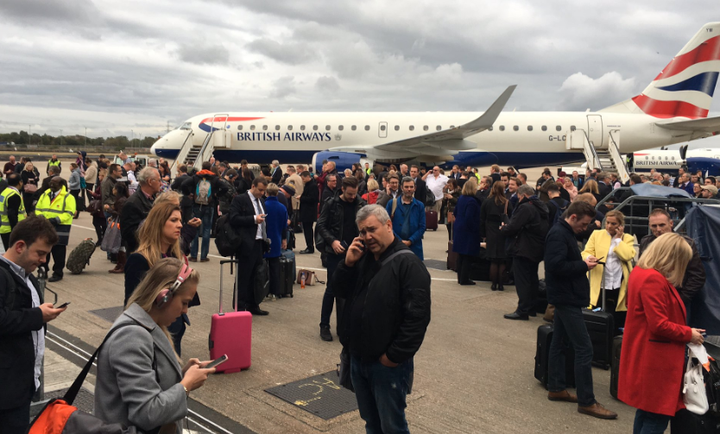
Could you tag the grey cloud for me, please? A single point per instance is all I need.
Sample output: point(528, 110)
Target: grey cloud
point(29, 11)
point(201, 53)
point(327, 84)
point(283, 87)
point(290, 53)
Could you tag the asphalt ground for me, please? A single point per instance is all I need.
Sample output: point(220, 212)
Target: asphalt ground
point(473, 374)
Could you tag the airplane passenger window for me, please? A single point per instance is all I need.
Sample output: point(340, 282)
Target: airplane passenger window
point(367, 127)
point(544, 128)
point(252, 127)
point(516, 128)
point(354, 127)
point(382, 127)
point(340, 127)
point(327, 127)
point(425, 128)
point(239, 127)
point(412, 128)
point(315, 127)
point(572, 127)
point(289, 127)
point(277, 127)
point(264, 127)
point(558, 128)
point(397, 127)
point(502, 127)
point(438, 128)
point(529, 127)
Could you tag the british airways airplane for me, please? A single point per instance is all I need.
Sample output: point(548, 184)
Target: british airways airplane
point(673, 108)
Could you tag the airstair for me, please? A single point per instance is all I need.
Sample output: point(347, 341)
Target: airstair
point(193, 154)
point(607, 158)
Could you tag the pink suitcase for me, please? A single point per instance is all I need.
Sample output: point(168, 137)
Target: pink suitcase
point(231, 334)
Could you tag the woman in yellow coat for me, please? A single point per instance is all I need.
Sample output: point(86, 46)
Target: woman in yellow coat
point(615, 251)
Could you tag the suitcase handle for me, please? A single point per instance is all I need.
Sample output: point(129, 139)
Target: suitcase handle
point(227, 261)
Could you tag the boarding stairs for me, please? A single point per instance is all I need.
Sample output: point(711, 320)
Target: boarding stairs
point(608, 158)
point(193, 154)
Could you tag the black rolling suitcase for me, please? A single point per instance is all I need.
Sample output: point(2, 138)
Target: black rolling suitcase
point(287, 276)
point(601, 328)
point(544, 339)
point(615, 368)
point(686, 422)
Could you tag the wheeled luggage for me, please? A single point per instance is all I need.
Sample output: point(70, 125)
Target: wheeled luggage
point(80, 256)
point(231, 334)
point(615, 368)
point(601, 328)
point(542, 355)
point(261, 285)
point(287, 276)
point(431, 220)
point(452, 257)
point(290, 255)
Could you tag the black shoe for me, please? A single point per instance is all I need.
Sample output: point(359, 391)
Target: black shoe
point(54, 278)
point(493, 287)
point(258, 311)
point(500, 287)
point(532, 313)
point(516, 316)
point(325, 334)
point(307, 252)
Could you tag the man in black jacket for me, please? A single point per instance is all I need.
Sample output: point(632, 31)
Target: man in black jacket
point(136, 209)
point(331, 184)
point(660, 223)
point(335, 227)
point(528, 225)
point(420, 186)
point(247, 216)
point(388, 290)
point(308, 210)
point(276, 172)
point(23, 316)
point(568, 289)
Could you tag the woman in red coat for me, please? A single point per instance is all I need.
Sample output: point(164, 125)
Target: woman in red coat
point(652, 360)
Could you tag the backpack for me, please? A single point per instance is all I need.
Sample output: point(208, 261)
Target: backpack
point(80, 256)
point(203, 190)
point(226, 198)
point(227, 240)
point(559, 209)
point(429, 197)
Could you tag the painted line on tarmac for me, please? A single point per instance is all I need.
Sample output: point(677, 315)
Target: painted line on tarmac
point(74, 349)
point(83, 227)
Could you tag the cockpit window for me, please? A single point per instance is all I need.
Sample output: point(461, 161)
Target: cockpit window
point(186, 126)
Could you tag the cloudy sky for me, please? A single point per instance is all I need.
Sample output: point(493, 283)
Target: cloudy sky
point(116, 66)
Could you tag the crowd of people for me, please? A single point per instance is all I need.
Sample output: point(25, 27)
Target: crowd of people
point(368, 225)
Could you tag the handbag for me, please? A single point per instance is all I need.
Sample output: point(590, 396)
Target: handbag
point(262, 282)
point(694, 392)
point(112, 240)
point(30, 188)
point(343, 370)
point(60, 416)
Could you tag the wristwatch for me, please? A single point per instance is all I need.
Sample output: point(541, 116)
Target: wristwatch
point(187, 392)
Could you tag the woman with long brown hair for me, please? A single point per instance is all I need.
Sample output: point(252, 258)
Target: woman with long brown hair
point(492, 213)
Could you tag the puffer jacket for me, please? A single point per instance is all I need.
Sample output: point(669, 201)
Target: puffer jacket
point(529, 226)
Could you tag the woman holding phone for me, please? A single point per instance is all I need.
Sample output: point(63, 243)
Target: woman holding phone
point(614, 251)
point(140, 379)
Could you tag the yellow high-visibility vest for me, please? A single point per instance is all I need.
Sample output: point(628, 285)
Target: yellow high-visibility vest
point(4, 219)
point(62, 206)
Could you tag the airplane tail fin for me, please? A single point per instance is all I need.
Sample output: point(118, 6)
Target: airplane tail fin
point(685, 87)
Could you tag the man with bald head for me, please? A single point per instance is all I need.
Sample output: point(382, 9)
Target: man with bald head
point(59, 207)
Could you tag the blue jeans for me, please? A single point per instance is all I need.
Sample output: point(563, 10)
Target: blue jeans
point(204, 213)
point(650, 423)
point(570, 325)
point(380, 392)
point(329, 297)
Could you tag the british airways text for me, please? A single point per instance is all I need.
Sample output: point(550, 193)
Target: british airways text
point(289, 137)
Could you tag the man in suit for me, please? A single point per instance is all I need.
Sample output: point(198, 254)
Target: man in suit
point(456, 173)
point(247, 216)
point(308, 210)
point(276, 172)
point(420, 186)
point(23, 316)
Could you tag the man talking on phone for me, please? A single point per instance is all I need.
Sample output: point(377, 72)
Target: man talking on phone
point(23, 317)
point(335, 231)
point(388, 291)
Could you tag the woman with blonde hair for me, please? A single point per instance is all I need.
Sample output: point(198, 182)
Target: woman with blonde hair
point(466, 233)
point(373, 192)
point(652, 361)
point(614, 250)
point(570, 188)
point(140, 379)
point(159, 238)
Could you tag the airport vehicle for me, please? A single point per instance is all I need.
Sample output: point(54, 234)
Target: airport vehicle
point(673, 108)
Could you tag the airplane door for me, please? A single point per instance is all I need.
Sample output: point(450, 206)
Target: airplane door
point(595, 131)
point(220, 134)
point(382, 130)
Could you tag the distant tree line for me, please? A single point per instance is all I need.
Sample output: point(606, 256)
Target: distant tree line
point(22, 138)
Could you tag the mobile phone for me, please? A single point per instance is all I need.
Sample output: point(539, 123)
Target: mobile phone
point(63, 305)
point(219, 360)
point(600, 262)
point(344, 245)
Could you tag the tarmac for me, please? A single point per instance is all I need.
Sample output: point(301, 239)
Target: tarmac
point(473, 373)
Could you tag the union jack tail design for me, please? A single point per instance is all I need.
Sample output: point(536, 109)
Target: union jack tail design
point(686, 86)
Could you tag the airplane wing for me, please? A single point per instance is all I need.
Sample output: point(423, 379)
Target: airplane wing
point(453, 139)
point(705, 125)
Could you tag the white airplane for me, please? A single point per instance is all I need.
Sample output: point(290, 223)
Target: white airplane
point(673, 108)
